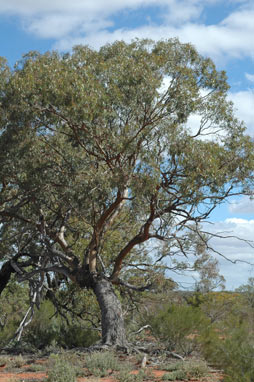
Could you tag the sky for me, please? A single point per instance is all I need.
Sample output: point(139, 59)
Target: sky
point(221, 30)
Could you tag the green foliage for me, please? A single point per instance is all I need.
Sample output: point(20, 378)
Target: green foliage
point(14, 302)
point(247, 292)
point(184, 370)
point(48, 330)
point(178, 326)
point(231, 350)
point(208, 269)
point(172, 366)
point(125, 376)
point(45, 327)
point(73, 130)
point(60, 370)
point(12, 363)
point(220, 305)
point(179, 375)
point(77, 336)
point(95, 150)
point(196, 299)
point(36, 367)
point(100, 364)
point(195, 368)
point(17, 362)
point(4, 359)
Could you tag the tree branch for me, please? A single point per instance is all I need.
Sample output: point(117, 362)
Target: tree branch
point(133, 287)
point(63, 270)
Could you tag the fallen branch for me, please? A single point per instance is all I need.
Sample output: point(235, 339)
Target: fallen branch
point(143, 328)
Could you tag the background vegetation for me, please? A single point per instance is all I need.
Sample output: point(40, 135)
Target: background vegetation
point(216, 326)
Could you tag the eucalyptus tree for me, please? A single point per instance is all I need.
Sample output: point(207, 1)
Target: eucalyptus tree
point(100, 160)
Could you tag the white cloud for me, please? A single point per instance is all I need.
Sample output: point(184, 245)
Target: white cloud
point(244, 205)
point(31, 7)
point(234, 231)
point(250, 77)
point(233, 37)
point(237, 245)
point(77, 20)
point(53, 26)
point(182, 11)
point(87, 22)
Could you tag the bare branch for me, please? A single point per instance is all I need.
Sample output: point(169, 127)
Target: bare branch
point(133, 287)
point(143, 328)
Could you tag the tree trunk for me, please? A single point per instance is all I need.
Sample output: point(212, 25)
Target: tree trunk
point(5, 275)
point(112, 322)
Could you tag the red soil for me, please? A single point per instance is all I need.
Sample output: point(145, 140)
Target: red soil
point(23, 376)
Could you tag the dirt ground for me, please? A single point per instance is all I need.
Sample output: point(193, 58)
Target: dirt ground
point(24, 374)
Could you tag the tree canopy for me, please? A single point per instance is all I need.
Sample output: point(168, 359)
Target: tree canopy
point(99, 158)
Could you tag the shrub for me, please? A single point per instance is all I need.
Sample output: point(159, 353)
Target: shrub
point(45, 328)
point(35, 367)
point(99, 364)
point(14, 303)
point(195, 368)
point(125, 376)
point(49, 331)
point(172, 366)
point(61, 370)
point(16, 362)
point(185, 370)
point(77, 336)
point(4, 360)
point(179, 375)
point(233, 352)
point(178, 327)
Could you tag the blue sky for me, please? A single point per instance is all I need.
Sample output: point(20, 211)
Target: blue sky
point(222, 30)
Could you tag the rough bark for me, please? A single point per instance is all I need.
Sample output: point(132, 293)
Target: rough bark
point(5, 275)
point(113, 331)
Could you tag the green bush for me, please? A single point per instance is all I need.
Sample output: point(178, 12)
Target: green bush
point(16, 362)
point(179, 375)
point(8, 332)
point(195, 368)
point(178, 327)
point(172, 366)
point(61, 370)
point(14, 303)
point(45, 328)
point(125, 376)
point(232, 351)
point(50, 331)
point(35, 367)
point(99, 364)
point(76, 336)
point(185, 370)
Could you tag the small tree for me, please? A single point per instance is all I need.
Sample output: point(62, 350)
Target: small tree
point(98, 161)
point(207, 267)
point(247, 290)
